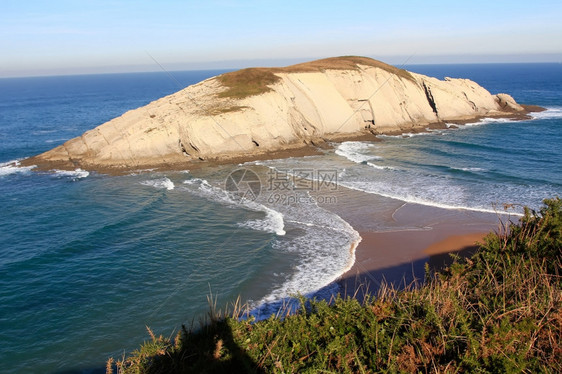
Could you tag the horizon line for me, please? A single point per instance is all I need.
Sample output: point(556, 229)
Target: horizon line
point(236, 64)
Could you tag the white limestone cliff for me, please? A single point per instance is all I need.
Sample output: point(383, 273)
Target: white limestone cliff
point(323, 100)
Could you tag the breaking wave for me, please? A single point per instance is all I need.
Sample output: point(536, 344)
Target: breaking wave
point(13, 167)
point(159, 183)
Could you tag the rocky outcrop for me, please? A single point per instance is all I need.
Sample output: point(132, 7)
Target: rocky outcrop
point(256, 111)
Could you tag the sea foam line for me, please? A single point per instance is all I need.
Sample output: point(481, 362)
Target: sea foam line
point(313, 277)
point(355, 151)
point(73, 174)
point(324, 248)
point(472, 169)
point(159, 183)
point(426, 132)
point(380, 167)
point(413, 200)
point(273, 221)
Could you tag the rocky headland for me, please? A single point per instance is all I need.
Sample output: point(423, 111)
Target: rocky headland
point(262, 112)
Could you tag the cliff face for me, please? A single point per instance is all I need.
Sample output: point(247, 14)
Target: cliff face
point(256, 111)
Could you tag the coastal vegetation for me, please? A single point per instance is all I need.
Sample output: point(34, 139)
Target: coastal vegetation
point(497, 311)
point(247, 82)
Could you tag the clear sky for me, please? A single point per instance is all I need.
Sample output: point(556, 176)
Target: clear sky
point(83, 36)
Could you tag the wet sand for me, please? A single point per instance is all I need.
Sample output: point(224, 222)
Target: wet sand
point(399, 257)
point(455, 243)
point(378, 251)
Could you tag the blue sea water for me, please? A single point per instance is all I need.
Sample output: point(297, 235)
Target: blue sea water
point(88, 260)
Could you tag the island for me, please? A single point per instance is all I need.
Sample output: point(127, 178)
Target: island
point(266, 112)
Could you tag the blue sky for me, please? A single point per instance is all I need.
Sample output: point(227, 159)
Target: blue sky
point(67, 37)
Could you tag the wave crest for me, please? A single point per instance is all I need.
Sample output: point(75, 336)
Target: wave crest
point(273, 221)
point(549, 113)
point(159, 183)
point(13, 167)
point(357, 152)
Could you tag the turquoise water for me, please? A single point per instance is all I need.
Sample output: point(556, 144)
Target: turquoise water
point(87, 260)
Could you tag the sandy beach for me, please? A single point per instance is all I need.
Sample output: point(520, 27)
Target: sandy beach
point(428, 235)
point(399, 257)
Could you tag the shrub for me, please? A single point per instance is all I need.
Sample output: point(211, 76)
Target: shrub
point(499, 311)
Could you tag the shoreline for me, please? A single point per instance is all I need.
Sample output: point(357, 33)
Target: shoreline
point(399, 257)
point(397, 238)
point(310, 147)
point(419, 242)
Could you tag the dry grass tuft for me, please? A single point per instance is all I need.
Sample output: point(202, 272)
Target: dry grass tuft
point(247, 82)
point(255, 81)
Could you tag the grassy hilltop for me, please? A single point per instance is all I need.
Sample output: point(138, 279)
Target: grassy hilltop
point(255, 81)
point(499, 311)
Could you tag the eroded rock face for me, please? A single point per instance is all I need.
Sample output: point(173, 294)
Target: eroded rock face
point(304, 104)
point(507, 103)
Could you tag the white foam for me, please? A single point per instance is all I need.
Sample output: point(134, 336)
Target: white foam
point(159, 183)
point(380, 167)
point(413, 134)
point(410, 196)
point(325, 251)
point(72, 174)
point(257, 163)
point(197, 182)
point(383, 136)
point(356, 151)
point(498, 120)
point(427, 132)
point(13, 167)
point(272, 222)
point(483, 121)
point(319, 246)
point(465, 125)
point(140, 171)
point(469, 169)
point(549, 113)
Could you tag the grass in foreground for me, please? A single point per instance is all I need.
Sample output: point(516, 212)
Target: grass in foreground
point(499, 311)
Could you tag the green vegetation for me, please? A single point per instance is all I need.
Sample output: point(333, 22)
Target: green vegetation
point(254, 81)
point(499, 311)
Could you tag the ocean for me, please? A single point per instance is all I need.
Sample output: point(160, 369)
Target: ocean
point(88, 260)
